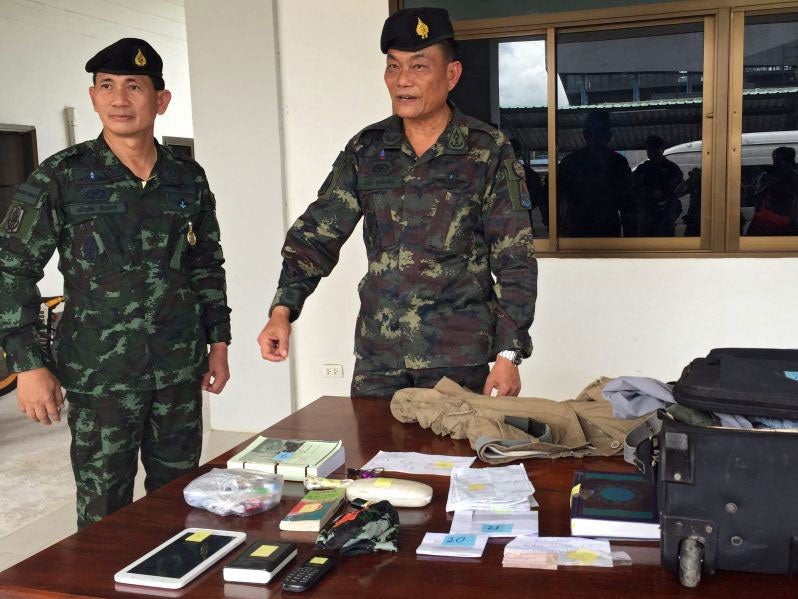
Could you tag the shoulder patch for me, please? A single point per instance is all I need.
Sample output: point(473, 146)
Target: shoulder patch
point(516, 184)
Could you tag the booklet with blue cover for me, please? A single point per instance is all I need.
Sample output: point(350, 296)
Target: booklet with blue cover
point(616, 505)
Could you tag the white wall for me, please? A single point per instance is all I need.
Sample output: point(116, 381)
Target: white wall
point(234, 84)
point(44, 47)
point(650, 317)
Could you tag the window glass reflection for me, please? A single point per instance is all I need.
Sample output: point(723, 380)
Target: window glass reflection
point(769, 175)
point(629, 132)
point(523, 117)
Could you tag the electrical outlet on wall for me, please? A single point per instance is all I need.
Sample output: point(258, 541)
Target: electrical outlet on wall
point(332, 371)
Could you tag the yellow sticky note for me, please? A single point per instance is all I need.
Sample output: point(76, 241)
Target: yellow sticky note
point(440, 464)
point(574, 492)
point(583, 556)
point(264, 551)
point(199, 536)
point(318, 560)
point(383, 483)
point(476, 487)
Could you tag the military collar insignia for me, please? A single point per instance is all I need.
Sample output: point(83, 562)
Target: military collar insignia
point(391, 138)
point(140, 60)
point(422, 29)
point(456, 143)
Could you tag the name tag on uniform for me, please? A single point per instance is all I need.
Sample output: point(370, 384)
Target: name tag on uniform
point(379, 182)
point(90, 209)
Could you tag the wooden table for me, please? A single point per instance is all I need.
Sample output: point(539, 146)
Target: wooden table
point(83, 565)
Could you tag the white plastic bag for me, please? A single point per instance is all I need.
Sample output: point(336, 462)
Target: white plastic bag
point(230, 491)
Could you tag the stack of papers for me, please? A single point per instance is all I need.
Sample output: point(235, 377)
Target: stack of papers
point(549, 552)
point(495, 523)
point(417, 463)
point(507, 488)
point(438, 543)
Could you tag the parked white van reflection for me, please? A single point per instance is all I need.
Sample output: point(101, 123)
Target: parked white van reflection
point(757, 155)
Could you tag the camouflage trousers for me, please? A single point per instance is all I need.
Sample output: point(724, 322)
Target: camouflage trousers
point(109, 429)
point(381, 384)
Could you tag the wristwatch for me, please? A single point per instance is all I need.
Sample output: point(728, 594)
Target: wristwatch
point(514, 355)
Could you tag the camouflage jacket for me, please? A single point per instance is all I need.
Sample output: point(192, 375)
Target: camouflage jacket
point(435, 228)
point(141, 302)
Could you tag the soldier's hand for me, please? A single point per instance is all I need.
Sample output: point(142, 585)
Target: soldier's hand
point(39, 395)
point(504, 377)
point(218, 369)
point(273, 339)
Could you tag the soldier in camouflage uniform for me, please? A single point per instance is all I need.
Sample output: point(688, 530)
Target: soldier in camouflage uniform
point(445, 207)
point(138, 240)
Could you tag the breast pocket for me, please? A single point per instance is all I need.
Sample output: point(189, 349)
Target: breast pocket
point(95, 247)
point(183, 215)
point(381, 199)
point(454, 216)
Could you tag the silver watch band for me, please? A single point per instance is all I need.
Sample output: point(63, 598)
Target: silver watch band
point(511, 354)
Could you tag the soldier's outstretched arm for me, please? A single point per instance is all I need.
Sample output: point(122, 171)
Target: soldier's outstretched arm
point(28, 236)
point(311, 250)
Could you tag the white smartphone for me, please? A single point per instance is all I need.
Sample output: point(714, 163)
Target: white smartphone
point(177, 561)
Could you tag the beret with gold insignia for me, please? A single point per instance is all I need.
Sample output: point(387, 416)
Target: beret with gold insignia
point(128, 56)
point(412, 29)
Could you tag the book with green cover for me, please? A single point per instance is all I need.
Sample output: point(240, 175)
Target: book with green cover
point(617, 505)
point(293, 458)
point(314, 510)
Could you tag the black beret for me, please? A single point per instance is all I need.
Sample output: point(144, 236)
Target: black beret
point(128, 56)
point(412, 29)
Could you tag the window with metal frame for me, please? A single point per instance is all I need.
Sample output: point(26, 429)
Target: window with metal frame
point(676, 100)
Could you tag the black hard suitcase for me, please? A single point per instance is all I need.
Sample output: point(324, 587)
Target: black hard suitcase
point(728, 498)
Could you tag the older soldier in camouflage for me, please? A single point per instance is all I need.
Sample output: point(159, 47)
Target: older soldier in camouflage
point(138, 240)
point(446, 209)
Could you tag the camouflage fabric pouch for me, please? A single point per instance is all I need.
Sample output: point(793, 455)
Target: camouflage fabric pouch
point(370, 529)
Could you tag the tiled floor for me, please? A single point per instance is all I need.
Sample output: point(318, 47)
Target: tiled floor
point(59, 521)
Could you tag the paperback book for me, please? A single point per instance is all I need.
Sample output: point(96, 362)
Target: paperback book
point(294, 459)
point(314, 510)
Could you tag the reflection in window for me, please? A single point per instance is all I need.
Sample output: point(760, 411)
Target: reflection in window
point(629, 132)
point(522, 115)
point(768, 177)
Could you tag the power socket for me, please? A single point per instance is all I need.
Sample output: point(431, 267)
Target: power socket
point(332, 371)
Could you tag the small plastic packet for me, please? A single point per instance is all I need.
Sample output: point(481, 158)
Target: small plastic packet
point(234, 492)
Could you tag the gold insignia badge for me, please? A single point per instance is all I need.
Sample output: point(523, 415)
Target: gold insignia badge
point(191, 236)
point(422, 29)
point(140, 59)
